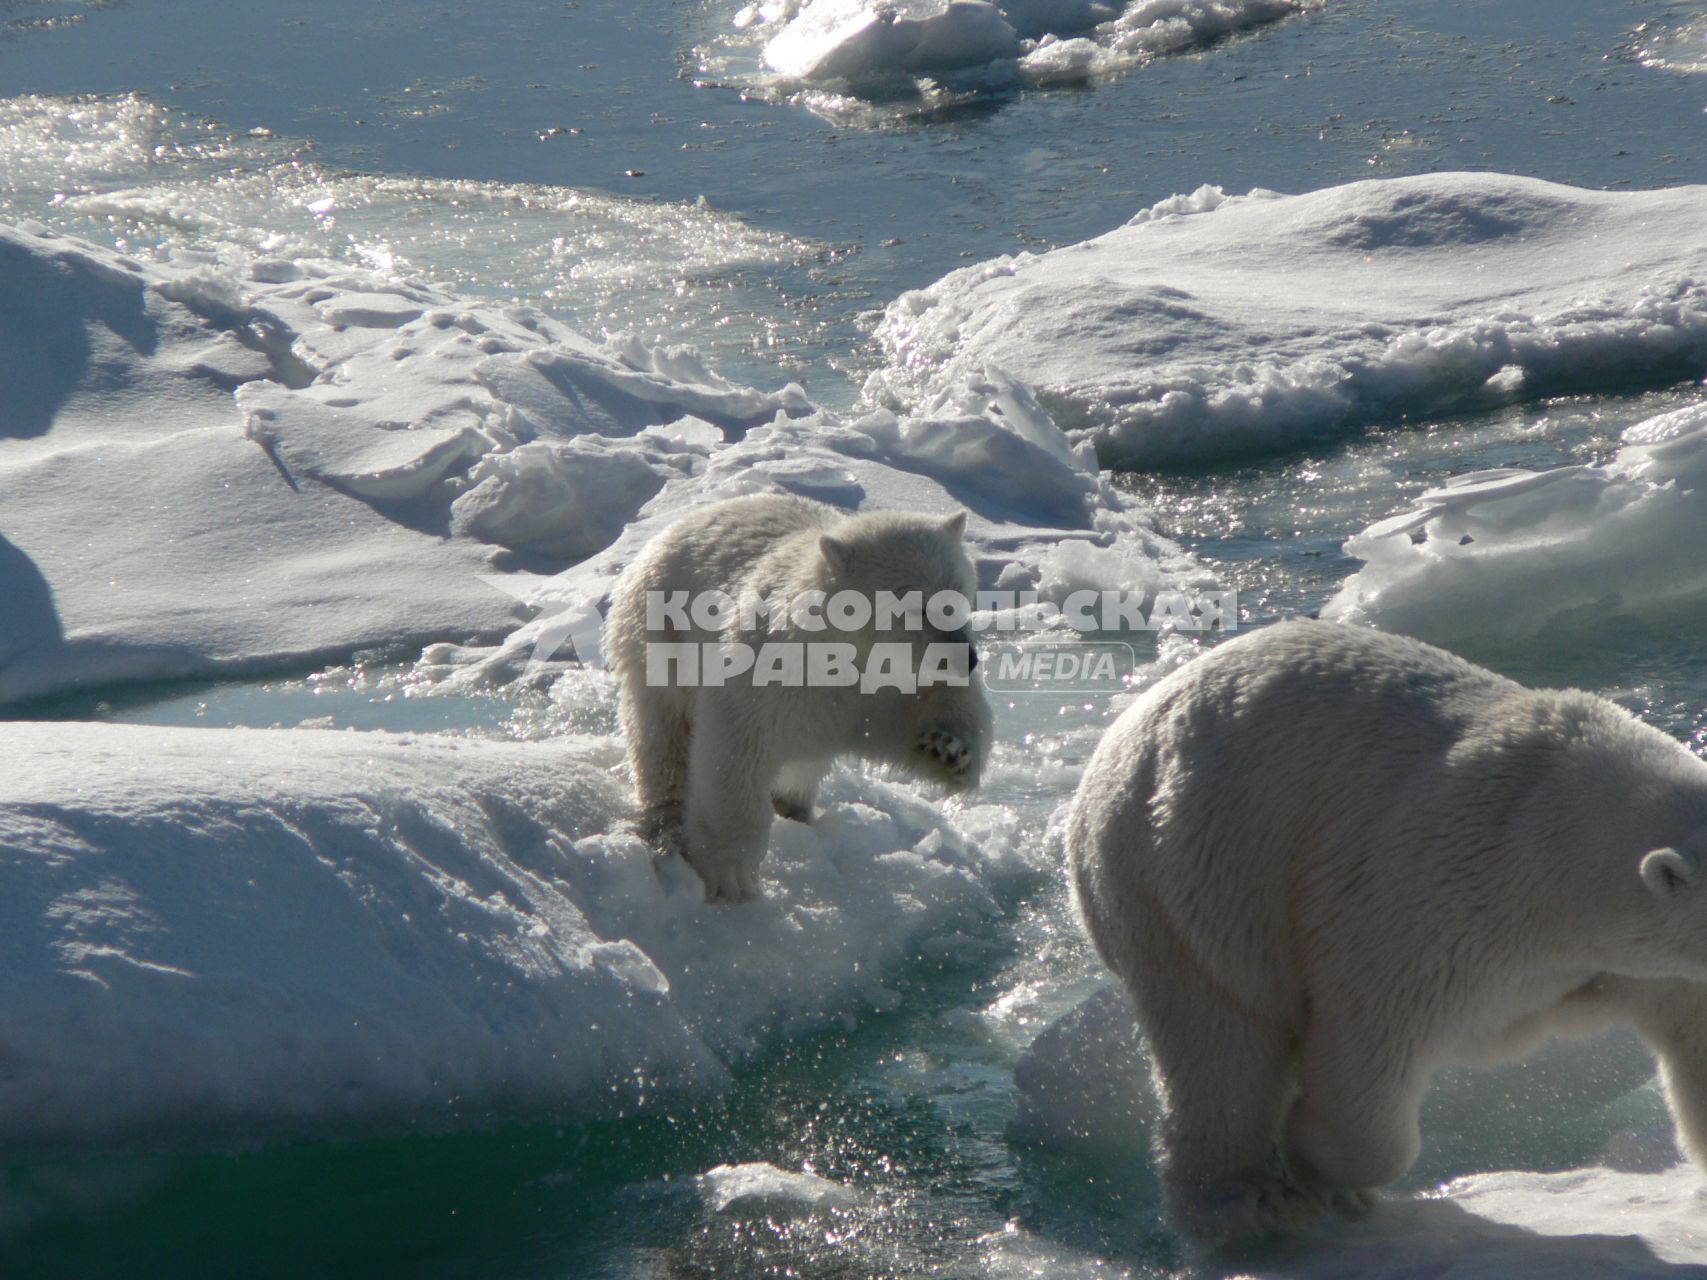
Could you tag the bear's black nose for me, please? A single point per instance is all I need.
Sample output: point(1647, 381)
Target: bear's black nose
point(964, 635)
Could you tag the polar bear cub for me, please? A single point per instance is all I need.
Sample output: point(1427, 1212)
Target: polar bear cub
point(713, 756)
point(1326, 861)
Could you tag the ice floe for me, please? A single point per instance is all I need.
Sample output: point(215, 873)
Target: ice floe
point(247, 933)
point(838, 56)
point(1514, 553)
point(219, 463)
point(1214, 325)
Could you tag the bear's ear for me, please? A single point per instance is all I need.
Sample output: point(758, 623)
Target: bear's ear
point(1666, 871)
point(955, 525)
point(837, 554)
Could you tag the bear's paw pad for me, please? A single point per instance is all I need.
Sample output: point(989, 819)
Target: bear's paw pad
point(945, 748)
point(727, 881)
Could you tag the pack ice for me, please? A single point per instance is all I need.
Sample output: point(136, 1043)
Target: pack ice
point(213, 463)
point(1042, 519)
point(1214, 325)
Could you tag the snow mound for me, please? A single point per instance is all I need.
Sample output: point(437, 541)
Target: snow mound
point(1513, 552)
point(761, 1189)
point(1212, 326)
point(839, 55)
point(220, 463)
point(247, 933)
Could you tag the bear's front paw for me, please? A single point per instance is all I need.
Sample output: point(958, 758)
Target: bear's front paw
point(948, 751)
point(727, 881)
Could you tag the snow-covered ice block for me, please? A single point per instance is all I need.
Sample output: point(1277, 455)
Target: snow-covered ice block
point(209, 933)
point(1213, 325)
point(1514, 552)
point(1587, 1223)
point(882, 50)
point(220, 464)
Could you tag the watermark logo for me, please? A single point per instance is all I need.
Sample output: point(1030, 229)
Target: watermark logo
point(1055, 666)
point(876, 641)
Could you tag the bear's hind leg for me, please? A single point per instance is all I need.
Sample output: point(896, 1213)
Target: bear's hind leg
point(795, 794)
point(1225, 1077)
point(731, 768)
point(656, 729)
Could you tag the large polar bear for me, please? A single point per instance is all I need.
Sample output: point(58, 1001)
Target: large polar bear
point(1327, 861)
point(711, 762)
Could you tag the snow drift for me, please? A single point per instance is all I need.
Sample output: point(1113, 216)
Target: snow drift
point(1215, 325)
point(253, 932)
point(1515, 553)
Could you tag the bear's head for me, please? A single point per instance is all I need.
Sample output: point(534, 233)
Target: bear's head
point(1616, 813)
point(922, 588)
point(914, 573)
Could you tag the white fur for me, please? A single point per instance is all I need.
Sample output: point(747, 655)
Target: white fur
point(1327, 861)
point(711, 764)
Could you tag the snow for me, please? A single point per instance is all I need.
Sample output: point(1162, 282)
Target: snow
point(1517, 553)
point(220, 463)
point(216, 932)
point(1586, 1223)
point(843, 51)
point(1215, 325)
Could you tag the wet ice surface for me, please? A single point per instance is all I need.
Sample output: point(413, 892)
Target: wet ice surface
point(455, 151)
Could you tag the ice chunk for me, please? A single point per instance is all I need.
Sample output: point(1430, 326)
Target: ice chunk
point(760, 1189)
point(857, 41)
point(564, 499)
point(1514, 552)
point(1084, 1083)
point(902, 54)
